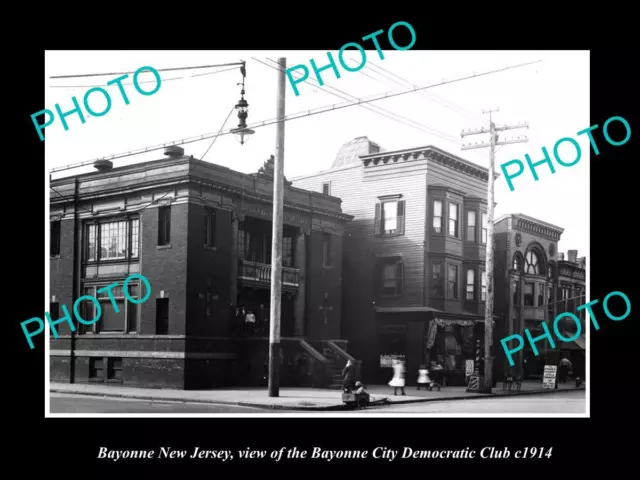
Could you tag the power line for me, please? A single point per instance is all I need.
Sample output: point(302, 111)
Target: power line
point(152, 202)
point(431, 96)
point(216, 137)
point(293, 116)
point(67, 197)
point(157, 70)
point(150, 81)
point(407, 121)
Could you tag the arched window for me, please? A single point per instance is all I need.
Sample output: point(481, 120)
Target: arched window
point(516, 262)
point(532, 263)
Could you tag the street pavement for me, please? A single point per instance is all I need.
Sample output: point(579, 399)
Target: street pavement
point(571, 402)
point(559, 403)
point(85, 404)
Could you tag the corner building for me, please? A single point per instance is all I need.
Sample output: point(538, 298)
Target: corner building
point(414, 255)
point(534, 284)
point(201, 235)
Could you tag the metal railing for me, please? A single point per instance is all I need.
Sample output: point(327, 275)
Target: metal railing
point(261, 274)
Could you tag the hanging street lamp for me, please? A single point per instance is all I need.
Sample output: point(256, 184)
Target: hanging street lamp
point(242, 106)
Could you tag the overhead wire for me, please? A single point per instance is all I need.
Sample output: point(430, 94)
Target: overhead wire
point(375, 109)
point(157, 70)
point(150, 81)
point(134, 210)
point(429, 95)
point(216, 137)
point(294, 116)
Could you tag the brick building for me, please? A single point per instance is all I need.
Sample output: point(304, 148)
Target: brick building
point(569, 281)
point(201, 234)
point(533, 284)
point(414, 255)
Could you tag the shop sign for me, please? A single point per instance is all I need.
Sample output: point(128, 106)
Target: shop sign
point(386, 361)
point(549, 377)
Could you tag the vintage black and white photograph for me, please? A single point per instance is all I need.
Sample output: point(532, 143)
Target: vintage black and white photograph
point(318, 234)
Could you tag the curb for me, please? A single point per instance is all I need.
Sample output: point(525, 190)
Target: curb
point(328, 408)
point(485, 396)
point(261, 406)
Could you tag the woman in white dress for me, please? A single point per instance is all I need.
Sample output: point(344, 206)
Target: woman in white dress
point(397, 382)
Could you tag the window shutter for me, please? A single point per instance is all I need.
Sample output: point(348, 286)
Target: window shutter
point(401, 210)
point(376, 226)
point(399, 277)
point(376, 280)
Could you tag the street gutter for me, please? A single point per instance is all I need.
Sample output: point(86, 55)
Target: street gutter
point(326, 408)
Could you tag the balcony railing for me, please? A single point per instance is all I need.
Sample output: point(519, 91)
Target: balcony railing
point(260, 274)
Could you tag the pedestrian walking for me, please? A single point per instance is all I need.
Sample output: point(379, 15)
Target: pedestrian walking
point(423, 377)
point(348, 376)
point(397, 382)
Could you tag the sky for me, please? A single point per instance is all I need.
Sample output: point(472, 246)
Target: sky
point(552, 96)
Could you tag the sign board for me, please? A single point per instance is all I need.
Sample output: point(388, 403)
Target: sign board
point(386, 361)
point(549, 377)
point(468, 370)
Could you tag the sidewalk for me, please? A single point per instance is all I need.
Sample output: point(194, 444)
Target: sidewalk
point(308, 399)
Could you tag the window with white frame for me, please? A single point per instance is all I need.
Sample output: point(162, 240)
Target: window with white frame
point(389, 216)
point(484, 286)
point(471, 284)
point(453, 220)
point(437, 216)
point(112, 240)
point(485, 228)
point(471, 225)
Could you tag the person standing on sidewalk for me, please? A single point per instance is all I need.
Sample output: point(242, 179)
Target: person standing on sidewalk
point(397, 382)
point(423, 377)
point(565, 368)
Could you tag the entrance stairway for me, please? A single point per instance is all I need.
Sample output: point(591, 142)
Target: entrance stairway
point(337, 364)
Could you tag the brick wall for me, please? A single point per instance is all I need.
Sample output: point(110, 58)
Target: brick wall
point(321, 280)
point(61, 280)
point(165, 268)
point(209, 270)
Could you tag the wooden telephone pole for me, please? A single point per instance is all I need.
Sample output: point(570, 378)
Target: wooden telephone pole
point(485, 385)
point(276, 239)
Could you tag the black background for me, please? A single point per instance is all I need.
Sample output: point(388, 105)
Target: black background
point(68, 446)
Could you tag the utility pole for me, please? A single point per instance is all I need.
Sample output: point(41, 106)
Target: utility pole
point(486, 385)
point(276, 239)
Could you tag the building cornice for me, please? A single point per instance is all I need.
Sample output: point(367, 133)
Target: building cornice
point(192, 180)
point(532, 225)
point(430, 153)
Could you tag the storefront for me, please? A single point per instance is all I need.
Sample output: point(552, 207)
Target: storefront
point(419, 335)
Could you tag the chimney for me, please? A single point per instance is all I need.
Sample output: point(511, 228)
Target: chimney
point(103, 165)
point(561, 256)
point(174, 151)
point(573, 256)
